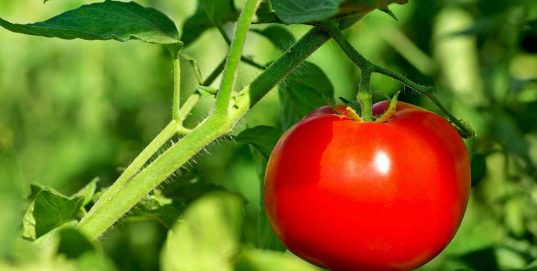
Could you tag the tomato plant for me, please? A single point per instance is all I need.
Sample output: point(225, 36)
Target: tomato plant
point(354, 195)
point(112, 180)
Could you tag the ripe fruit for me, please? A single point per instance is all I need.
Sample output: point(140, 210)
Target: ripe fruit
point(350, 195)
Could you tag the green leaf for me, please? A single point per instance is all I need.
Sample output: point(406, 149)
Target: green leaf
point(158, 208)
point(389, 12)
point(109, 20)
point(305, 89)
point(265, 13)
point(49, 210)
point(266, 260)
point(262, 138)
point(362, 7)
point(220, 13)
point(304, 11)
point(266, 238)
point(207, 237)
point(88, 191)
point(278, 36)
point(195, 25)
point(34, 190)
point(165, 205)
point(188, 187)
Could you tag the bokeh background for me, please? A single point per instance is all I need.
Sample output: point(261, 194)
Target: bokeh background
point(71, 111)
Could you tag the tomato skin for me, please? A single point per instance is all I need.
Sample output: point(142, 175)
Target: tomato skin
point(349, 195)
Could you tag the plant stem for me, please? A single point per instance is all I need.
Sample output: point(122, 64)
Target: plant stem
point(308, 44)
point(464, 130)
point(187, 107)
point(232, 63)
point(348, 49)
point(194, 64)
point(252, 63)
point(427, 91)
point(244, 59)
point(365, 97)
point(98, 221)
point(122, 196)
point(176, 87)
point(131, 170)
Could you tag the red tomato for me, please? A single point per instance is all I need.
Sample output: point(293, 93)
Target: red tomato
point(349, 195)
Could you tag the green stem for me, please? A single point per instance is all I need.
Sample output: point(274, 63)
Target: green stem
point(267, 80)
point(148, 152)
point(464, 130)
point(427, 91)
point(99, 220)
point(176, 87)
point(121, 197)
point(232, 63)
point(348, 49)
point(243, 58)
point(195, 67)
point(187, 107)
point(365, 97)
point(252, 63)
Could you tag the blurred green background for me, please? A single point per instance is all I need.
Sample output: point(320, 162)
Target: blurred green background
point(74, 110)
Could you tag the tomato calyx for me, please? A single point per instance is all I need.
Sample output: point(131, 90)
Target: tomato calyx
point(351, 113)
point(390, 111)
point(350, 110)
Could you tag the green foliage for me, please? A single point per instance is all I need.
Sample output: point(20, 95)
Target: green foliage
point(303, 90)
point(99, 21)
point(209, 13)
point(296, 11)
point(88, 191)
point(219, 11)
point(207, 237)
point(49, 210)
point(278, 36)
point(262, 138)
point(299, 11)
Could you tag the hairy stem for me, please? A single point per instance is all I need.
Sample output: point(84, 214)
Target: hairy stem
point(187, 107)
point(308, 44)
point(235, 52)
point(136, 165)
point(244, 59)
point(98, 221)
point(365, 97)
point(176, 87)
